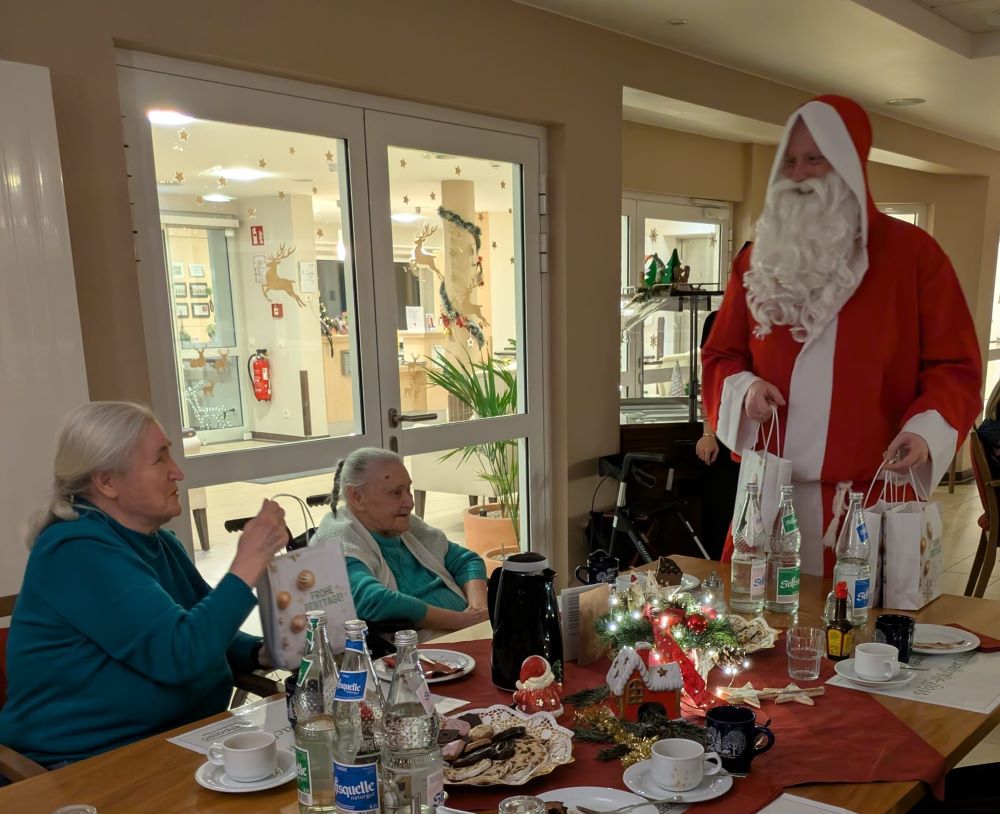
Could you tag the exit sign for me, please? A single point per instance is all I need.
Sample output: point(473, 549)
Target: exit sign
point(277, 310)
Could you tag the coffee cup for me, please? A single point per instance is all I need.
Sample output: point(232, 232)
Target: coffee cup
point(733, 732)
point(679, 764)
point(246, 756)
point(896, 629)
point(876, 661)
point(600, 567)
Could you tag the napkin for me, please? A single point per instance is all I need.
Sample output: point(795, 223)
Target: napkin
point(432, 668)
point(987, 644)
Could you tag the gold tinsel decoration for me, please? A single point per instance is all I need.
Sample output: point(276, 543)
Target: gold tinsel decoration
point(602, 719)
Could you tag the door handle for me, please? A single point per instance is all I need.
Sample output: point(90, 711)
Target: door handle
point(396, 418)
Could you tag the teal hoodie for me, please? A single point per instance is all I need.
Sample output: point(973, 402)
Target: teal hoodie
point(115, 637)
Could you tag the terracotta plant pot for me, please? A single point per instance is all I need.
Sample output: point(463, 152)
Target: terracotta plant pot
point(494, 559)
point(484, 535)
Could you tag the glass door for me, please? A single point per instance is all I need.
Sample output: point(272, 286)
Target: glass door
point(459, 296)
point(247, 205)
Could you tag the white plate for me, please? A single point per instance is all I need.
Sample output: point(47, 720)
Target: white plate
point(596, 797)
point(637, 778)
point(466, 663)
point(845, 668)
point(942, 633)
point(213, 777)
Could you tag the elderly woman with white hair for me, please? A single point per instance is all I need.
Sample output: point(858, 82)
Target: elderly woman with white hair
point(115, 635)
point(399, 567)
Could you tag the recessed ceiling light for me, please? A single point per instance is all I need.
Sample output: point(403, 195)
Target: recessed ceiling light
point(237, 173)
point(168, 117)
point(677, 21)
point(217, 198)
point(905, 101)
point(404, 217)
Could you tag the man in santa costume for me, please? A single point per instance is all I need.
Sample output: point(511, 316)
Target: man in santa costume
point(848, 324)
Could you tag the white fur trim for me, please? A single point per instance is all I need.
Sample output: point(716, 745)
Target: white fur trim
point(809, 395)
point(941, 440)
point(834, 141)
point(736, 430)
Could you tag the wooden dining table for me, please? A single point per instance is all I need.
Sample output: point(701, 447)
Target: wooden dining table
point(153, 776)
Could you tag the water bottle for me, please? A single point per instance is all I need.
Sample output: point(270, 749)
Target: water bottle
point(314, 725)
point(358, 710)
point(412, 768)
point(783, 561)
point(749, 568)
point(853, 566)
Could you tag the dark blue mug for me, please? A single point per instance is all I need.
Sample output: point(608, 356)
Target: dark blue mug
point(733, 732)
point(600, 567)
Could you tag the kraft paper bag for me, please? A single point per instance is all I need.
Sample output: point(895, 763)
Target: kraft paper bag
point(769, 471)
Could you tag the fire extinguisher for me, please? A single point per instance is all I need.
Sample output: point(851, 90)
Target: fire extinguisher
point(259, 368)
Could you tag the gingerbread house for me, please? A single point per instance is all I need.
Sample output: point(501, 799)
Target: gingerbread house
point(636, 678)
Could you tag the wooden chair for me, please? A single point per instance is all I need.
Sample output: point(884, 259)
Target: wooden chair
point(989, 522)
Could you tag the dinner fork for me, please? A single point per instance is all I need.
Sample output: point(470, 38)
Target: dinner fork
point(677, 798)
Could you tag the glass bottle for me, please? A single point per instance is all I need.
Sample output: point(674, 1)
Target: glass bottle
point(783, 561)
point(412, 767)
point(853, 567)
point(840, 631)
point(358, 709)
point(314, 724)
point(749, 566)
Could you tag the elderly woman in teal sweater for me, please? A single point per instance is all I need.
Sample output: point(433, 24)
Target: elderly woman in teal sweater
point(398, 566)
point(115, 635)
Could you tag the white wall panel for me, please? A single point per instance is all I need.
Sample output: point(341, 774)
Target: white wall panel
point(41, 351)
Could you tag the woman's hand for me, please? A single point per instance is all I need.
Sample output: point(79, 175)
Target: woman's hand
point(475, 593)
point(441, 619)
point(262, 538)
point(707, 449)
point(761, 399)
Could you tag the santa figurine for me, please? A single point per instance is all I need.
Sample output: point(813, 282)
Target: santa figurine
point(537, 688)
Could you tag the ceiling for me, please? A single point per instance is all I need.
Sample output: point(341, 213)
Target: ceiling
point(944, 51)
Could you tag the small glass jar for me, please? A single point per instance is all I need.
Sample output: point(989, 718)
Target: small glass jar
point(522, 804)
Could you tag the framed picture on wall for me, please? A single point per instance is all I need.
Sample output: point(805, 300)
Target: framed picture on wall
point(345, 362)
point(200, 309)
point(177, 269)
point(180, 289)
point(196, 270)
point(181, 310)
point(199, 289)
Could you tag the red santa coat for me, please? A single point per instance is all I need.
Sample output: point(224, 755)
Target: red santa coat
point(901, 354)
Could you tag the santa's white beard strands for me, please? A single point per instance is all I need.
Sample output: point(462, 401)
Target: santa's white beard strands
point(800, 273)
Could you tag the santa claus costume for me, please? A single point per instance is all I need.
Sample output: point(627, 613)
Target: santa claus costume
point(898, 351)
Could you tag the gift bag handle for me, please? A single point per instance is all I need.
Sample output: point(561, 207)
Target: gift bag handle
point(888, 484)
point(770, 432)
point(307, 517)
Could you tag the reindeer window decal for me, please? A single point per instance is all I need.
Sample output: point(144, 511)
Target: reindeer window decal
point(272, 282)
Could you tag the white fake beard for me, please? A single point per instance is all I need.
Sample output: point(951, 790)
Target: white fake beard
point(800, 273)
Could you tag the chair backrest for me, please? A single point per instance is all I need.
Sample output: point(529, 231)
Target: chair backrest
point(992, 403)
point(981, 470)
point(6, 612)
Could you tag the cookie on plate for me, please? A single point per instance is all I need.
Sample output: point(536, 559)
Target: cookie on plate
point(453, 775)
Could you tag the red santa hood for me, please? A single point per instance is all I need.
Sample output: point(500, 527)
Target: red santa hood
point(843, 133)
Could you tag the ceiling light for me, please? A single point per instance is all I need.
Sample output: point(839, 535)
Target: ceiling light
point(216, 198)
point(237, 173)
point(677, 21)
point(341, 251)
point(905, 101)
point(167, 117)
point(404, 217)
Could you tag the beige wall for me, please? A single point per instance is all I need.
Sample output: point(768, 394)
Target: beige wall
point(491, 56)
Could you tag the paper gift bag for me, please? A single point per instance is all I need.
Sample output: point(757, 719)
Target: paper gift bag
point(913, 557)
point(769, 471)
point(313, 578)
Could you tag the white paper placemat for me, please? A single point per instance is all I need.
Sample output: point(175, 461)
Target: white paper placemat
point(792, 804)
point(969, 681)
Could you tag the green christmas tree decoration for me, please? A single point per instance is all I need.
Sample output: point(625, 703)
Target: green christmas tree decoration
point(653, 271)
point(670, 270)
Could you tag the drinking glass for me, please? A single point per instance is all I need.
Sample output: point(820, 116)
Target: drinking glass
point(804, 646)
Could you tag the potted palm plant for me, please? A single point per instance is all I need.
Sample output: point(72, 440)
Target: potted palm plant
point(487, 388)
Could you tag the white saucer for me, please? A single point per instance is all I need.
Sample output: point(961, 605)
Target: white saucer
point(943, 633)
point(596, 797)
point(637, 778)
point(213, 776)
point(845, 668)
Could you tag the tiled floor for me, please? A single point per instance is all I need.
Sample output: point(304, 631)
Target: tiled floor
point(960, 512)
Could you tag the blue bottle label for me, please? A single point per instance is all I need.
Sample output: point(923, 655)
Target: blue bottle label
point(351, 686)
point(357, 787)
point(860, 594)
point(862, 531)
point(355, 644)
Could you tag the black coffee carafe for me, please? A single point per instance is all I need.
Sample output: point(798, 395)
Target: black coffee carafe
point(525, 617)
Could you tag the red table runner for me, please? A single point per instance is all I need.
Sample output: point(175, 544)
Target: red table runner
point(847, 737)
